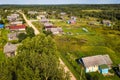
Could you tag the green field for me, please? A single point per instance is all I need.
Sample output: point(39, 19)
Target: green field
point(76, 43)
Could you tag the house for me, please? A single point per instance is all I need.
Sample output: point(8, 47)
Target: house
point(15, 15)
point(62, 13)
point(13, 36)
point(12, 17)
point(1, 26)
point(16, 23)
point(54, 30)
point(41, 17)
point(73, 18)
point(96, 63)
point(44, 12)
point(46, 25)
point(106, 22)
point(17, 27)
point(10, 49)
point(44, 20)
point(32, 12)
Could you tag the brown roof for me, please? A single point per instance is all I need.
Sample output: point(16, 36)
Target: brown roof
point(10, 48)
point(96, 60)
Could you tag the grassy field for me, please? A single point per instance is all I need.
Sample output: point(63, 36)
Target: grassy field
point(77, 43)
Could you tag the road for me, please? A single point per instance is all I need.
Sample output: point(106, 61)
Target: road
point(30, 24)
point(36, 33)
point(72, 77)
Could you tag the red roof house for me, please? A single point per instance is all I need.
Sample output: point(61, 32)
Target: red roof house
point(17, 27)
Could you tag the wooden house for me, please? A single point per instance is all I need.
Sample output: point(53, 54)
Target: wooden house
point(10, 49)
point(94, 63)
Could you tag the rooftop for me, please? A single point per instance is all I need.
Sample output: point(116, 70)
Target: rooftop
point(96, 60)
point(10, 48)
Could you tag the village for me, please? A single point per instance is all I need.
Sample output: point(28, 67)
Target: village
point(78, 39)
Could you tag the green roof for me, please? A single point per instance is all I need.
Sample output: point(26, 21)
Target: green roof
point(104, 66)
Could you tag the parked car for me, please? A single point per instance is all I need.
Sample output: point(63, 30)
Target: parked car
point(117, 71)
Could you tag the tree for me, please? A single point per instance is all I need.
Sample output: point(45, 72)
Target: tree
point(47, 33)
point(21, 36)
point(30, 32)
point(36, 60)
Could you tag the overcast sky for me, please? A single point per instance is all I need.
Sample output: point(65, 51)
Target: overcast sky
point(59, 1)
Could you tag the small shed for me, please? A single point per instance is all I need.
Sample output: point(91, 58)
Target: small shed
point(1, 25)
point(103, 69)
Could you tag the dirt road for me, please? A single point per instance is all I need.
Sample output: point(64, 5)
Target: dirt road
point(30, 24)
point(67, 70)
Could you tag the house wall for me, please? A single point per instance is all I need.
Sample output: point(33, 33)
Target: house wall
point(22, 29)
point(91, 69)
point(104, 71)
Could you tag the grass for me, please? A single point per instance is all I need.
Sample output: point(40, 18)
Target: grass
point(70, 66)
point(83, 43)
point(2, 56)
point(95, 44)
point(38, 25)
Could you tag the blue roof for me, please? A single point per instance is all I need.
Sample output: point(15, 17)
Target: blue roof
point(1, 25)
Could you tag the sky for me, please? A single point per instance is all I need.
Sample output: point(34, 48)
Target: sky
point(59, 1)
